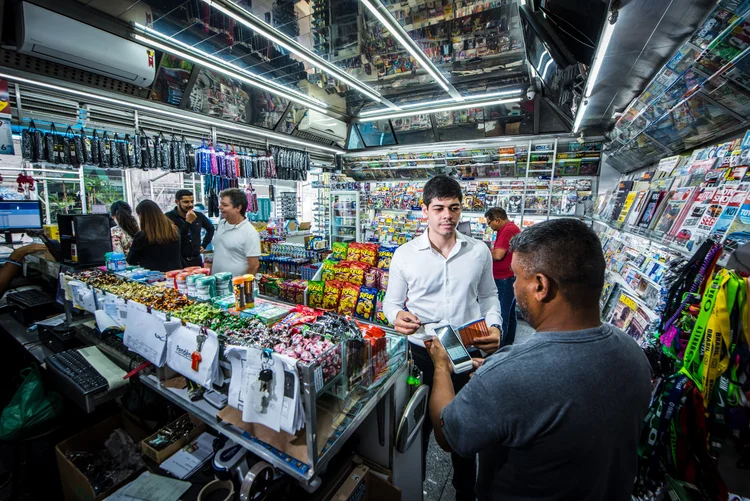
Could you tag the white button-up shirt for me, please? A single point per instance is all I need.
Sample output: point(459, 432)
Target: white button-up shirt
point(459, 289)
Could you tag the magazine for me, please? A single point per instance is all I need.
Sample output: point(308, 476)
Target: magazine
point(728, 215)
point(685, 234)
point(738, 232)
point(674, 207)
point(623, 311)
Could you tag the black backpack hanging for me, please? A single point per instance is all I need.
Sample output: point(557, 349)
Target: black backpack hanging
point(96, 149)
point(86, 148)
point(129, 152)
point(165, 153)
point(189, 157)
point(114, 151)
point(137, 150)
point(147, 151)
point(106, 150)
point(49, 146)
point(28, 148)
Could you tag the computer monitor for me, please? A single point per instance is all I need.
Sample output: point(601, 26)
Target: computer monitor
point(19, 216)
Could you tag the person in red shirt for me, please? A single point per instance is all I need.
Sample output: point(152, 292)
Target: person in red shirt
point(506, 229)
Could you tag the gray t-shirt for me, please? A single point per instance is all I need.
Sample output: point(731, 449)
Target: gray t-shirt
point(555, 418)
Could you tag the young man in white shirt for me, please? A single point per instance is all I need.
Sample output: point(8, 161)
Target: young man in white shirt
point(236, 242)
point(443, 276)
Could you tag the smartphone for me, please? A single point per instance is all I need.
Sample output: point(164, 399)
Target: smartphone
point(458, 354)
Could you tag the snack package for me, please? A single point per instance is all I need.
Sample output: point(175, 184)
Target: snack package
point(371, 278)
point(331, 294)
point(342, 271)
point(329, 265)
point(369, 254)
point(340, 250)
point(355, 252)
point(357, 273)
point(315, 293)
point(348, 300)
point(385, 254)
point(383, 279)
point(366, 303)
point(379, 315)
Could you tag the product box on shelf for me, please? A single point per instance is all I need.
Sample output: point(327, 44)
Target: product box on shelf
point(76, 486)
point(161, 455)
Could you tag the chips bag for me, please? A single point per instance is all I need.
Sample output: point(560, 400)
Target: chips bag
point(348, 300)
point(371, 278)
point(315, 293)
point(328, 267)
point(331, 294)
point(340, 250)
point(383, 279)
point(366, 303)
point(369, 254)
point(342, 271)
point(385, 254)
point(355, 252)
point(357, 273)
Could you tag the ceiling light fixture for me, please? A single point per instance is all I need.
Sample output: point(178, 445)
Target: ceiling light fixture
point(464, 105)
point(204, 59)
point(601, 51)
point(401, 36)
point(431, 104)
point(254, 23)
point(271, 136)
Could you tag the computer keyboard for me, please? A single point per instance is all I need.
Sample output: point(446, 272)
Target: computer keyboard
point(76, 368)
point(30, 298)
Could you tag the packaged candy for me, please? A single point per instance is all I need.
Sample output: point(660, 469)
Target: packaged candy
point(383, 279)
point(342, 271)
point(348, 300)
point(357, 273)
point(331, 294)
point(366, 303)
point(328, 268)
point(369, 254)
point(371, 278)
point(355, 252)
point(340, 250)
point(379, 315)
point(315, 292)
point(385, 254)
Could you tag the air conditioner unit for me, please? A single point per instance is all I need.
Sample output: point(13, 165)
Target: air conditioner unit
point(323, 126)
point(54, 37)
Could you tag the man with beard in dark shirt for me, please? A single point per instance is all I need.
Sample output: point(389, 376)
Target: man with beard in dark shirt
point(189, 223)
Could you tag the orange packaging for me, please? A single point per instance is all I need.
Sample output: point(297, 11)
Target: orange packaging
point(369, 254)
point(357, 273)
point(355, 252)
point(331, 294)
point(342, 271)
point(348, 300)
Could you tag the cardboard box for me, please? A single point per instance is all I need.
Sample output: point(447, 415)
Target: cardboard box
point(304, 225)
point(76, 487)
point(162, 455)
point(363, 485)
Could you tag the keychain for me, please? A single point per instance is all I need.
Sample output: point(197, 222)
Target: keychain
point(265, 382)
point(196, 356)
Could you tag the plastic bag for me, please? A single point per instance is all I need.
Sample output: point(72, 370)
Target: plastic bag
point(114, 152)
point(29, 407)
point(86, 148)
point(68, 152)
point(147, 152)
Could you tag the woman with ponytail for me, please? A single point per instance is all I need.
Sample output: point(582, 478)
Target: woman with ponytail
point(157, 245)
point(126, 228)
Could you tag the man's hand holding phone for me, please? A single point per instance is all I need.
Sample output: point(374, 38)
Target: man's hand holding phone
point(406, 323)
point(438, 354)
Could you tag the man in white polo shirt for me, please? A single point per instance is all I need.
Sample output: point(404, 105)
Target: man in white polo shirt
point(237, 242)
point(443, 276)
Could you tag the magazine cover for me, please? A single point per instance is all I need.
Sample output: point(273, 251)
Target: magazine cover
point(626, 206)
point(739, 230)
point(619, 199)
point(685, 233)
point(728, 215)
point(698, 170)
point(719, 201)
point(675, 206)
point(639, 205)
point(651, 209)
point(623, 311)
point(638, 325)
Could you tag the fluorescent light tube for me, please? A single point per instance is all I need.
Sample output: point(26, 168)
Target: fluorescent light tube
point(428, 104)
point(395, 29)
point(248, 78)
point(579, 115)
point(182, 116)
point(271, 33)
point(474, 104)
point(601, 50)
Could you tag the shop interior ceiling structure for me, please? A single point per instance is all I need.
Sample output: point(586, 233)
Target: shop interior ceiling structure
point(357, 74)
